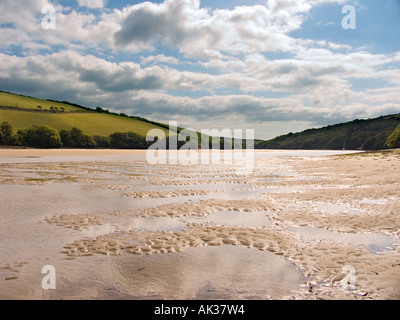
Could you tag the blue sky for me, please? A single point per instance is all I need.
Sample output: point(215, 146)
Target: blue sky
point(378, 25)
point(276, 66)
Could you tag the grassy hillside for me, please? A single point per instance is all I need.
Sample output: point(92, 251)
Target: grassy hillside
point(394, 139)
point(370, 134)
point(90, 123)
point(22, 112)
point(23, 102)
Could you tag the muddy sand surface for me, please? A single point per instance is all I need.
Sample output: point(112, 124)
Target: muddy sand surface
point(302, 225)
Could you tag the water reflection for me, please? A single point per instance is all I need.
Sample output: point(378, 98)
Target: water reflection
point(225, 272)
point(242, 219)
point(374, 242)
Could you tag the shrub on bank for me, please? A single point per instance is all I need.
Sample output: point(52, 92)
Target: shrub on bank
point(7, 136)
point(394, 139)
point(75, 138)
point(40, 137)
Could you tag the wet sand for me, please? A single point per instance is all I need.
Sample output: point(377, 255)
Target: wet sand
point(116, 227)
point(27, 153)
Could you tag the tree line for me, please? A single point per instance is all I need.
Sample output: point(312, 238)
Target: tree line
point(371, 134)
point(48, 137)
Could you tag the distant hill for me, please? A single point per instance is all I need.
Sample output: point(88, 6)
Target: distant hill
point(23, 118)
point(370, 134)
point(23, 112)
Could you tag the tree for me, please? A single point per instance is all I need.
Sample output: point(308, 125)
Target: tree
point(75, 138)
point(128, 140)
point(370, 144)
point(101, 110)
point(80, 140)
point(101, 142)
point(65, 136)
point(394, 139)
point(6, 128)
point(7, 136)
point(40, 137)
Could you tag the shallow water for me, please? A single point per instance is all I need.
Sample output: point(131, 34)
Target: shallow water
point(376, 243)
point(242, 219)
point(36, 190)
point(225, 272)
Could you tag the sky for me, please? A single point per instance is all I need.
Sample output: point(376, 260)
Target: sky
point(275, 66)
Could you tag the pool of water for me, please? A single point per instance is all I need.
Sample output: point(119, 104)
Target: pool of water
point(240, 219)
point(376, 243)
point(225, 272)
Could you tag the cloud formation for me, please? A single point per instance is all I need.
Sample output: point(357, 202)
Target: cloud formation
point(181, 60)
point(93, 4)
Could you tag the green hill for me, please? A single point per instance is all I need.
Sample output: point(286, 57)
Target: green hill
point(98, 128)
point(370, 134)
point(23, 112)
point(16, 101)
point(394, 139)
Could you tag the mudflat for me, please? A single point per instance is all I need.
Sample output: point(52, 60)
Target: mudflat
point(302, 225)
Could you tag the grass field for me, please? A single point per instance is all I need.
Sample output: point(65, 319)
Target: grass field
point(19, 101)
point(90, 122)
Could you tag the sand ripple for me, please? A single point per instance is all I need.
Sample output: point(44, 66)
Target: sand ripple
point(205, 207)
point(75, 221)
point(168, 194)
point(358, 193)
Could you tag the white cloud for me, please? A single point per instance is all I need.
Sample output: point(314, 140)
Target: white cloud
point(194, 31)
point(21, 13)
point(160, 58)
point(311, 87)
point(92, 4)
point(225, 54)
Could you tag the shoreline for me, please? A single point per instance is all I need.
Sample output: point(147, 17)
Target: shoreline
point(32, 152)
point(27, 153)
